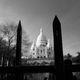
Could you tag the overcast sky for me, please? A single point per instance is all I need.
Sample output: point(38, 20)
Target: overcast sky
point(35, 14)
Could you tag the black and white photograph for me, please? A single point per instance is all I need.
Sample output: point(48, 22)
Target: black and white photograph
point(39, 39)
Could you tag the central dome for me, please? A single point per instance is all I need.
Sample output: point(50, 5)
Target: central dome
point(41, 40)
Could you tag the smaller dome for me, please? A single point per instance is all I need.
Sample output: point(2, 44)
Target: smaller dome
point(33, 45)
point(49, 44)
point(41, 40)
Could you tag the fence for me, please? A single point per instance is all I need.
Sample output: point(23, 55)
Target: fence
point(62, 69)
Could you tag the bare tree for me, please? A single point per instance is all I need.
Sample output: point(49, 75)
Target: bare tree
point(9, 34)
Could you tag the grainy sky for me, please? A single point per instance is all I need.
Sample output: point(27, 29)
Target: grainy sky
point(35, 14)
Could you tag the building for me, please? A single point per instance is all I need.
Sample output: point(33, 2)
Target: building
point(41, 48)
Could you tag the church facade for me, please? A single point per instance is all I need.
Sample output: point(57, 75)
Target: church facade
point(42, 48)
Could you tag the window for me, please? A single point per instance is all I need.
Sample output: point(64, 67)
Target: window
point(41, 51)
point(44, 51)
point(38, 57)
point(33, 53)
point(33, 49)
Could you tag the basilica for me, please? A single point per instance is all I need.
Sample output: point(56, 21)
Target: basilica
point(42, 48)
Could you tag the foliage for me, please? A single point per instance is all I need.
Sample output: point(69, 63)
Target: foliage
point(76, 59)
point(68, 56)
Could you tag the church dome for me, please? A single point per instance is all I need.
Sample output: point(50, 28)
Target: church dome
point(41, 39)
point(49, 44)
point(33, 45)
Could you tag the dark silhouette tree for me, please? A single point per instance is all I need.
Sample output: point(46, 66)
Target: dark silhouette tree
point(77, 58)
point(3, 49)
point(68, 56)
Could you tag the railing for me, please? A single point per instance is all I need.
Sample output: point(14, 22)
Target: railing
point(62, 69)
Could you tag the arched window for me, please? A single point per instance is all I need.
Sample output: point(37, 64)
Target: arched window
point(44, 51)
point(33, 49)
point(41, 51)
point(33, 53)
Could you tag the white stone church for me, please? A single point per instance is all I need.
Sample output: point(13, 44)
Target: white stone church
point(42, 48)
